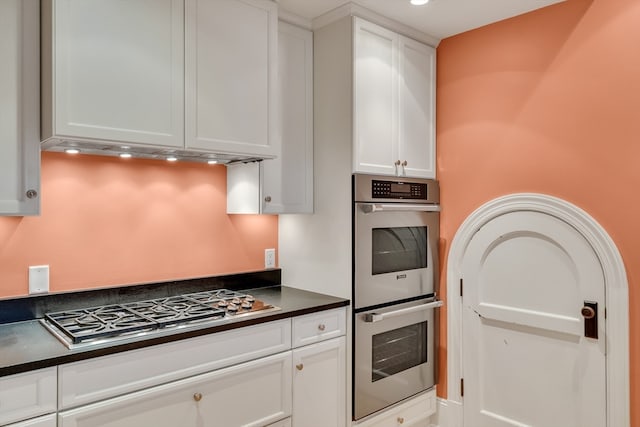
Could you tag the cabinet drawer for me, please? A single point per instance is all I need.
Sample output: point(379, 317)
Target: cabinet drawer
point(282, 423)
point(251, 394)
point(321, 326)
point(108, 376)
point(46, 421)
point(27, 395)
point(413, 413)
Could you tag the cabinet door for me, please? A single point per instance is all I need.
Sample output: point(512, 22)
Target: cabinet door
point(288, 179)
point(417, 109)
point(114, 70)
point(251, 394)
point(319, 385)
point(375, 99)
point(19, 106)
point(231, 75)
point(27, 395)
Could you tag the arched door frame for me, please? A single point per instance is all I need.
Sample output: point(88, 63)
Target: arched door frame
point(616, 294)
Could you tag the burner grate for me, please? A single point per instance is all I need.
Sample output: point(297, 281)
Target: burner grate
point(118, 320)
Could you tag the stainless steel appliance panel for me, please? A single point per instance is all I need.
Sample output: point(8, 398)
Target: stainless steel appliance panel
point(395, 252)
point(394, 354)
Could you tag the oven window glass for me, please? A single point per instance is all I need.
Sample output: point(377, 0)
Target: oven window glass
point(397, 350)
point(398, 249)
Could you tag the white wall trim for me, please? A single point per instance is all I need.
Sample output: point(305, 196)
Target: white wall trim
point(616, 294)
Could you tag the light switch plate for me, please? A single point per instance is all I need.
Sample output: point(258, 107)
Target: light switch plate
point(38, 279)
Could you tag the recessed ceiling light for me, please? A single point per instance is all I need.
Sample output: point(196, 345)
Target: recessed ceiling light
point(172, 159)
point(72, 151)
point(125, 155)
point(419, 2)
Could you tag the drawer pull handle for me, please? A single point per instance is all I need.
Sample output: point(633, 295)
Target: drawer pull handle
point(197, 397)
point(321, 327)
point(299, 366)
point(400, 420)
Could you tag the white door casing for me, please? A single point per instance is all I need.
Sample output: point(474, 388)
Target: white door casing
point(616, 295)
point(526, 362)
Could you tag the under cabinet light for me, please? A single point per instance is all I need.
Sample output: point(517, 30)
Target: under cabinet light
point(72, 151)
point(172, 159)
point(419, 2)
point(125, 155)
point(212, 162)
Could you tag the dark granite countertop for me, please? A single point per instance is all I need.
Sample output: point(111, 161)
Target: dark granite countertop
point(26, 345)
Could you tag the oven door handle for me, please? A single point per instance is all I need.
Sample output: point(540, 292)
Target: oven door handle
point(388, 207)
point(375, 317)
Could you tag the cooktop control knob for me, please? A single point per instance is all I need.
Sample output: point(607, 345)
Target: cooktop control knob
point(246, 304)
point(249, 298)
point(222, 303)
point(232, 308)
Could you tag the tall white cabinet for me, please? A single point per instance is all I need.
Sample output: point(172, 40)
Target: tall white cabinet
point(19, 107)
point(394, 103)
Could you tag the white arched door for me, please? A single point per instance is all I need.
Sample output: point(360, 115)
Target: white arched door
point(527, 276)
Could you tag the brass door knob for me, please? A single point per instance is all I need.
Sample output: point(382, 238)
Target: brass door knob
point(197, 397)
point(588, 312)
point(400, 420)
point(299, 366)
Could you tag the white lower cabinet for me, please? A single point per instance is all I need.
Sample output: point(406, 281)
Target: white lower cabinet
point(415, 412)
point(256, 394)
point(27, 395)
point(46, 421)
point(319, 384)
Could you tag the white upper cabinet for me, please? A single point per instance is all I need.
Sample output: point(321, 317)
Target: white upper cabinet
point(285, 184)
point(195, 75)
point(288, 179)
point(394, 94)
point(113, 70)
point(19, 107)
point(231, 76)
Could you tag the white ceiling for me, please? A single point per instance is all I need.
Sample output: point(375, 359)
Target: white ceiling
point(438, 18)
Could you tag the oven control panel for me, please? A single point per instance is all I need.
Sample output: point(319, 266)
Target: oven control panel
point(398, 190)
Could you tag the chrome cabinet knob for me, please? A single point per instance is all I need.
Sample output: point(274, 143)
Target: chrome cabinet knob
point(405, 163)
point(400, 420)
point(267, 199)
point(197, 397)
point(588, 312)
point(299, 366)
point(397, 163)
point(321, 327)
point(31, 194)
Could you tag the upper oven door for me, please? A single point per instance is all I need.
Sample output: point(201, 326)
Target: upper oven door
point(395, 252)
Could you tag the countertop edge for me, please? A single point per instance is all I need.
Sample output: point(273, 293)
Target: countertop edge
point(89, 353)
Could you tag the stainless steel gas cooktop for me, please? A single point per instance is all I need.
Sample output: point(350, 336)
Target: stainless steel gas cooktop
point(119, 322)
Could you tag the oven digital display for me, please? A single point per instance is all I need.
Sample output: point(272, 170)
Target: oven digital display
point(400, 188)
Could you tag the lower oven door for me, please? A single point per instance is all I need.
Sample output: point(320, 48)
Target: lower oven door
point(394, 355)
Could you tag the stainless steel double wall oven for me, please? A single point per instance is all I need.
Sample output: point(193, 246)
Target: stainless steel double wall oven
point(395, 257)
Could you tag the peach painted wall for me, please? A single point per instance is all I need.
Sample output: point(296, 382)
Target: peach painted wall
point(109, 221)
point(548, 102)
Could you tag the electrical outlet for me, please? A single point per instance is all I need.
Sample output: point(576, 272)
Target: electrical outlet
point(269, 258)
point(38, 279)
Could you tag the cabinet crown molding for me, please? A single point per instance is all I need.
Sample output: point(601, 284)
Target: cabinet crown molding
point(352, 9)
